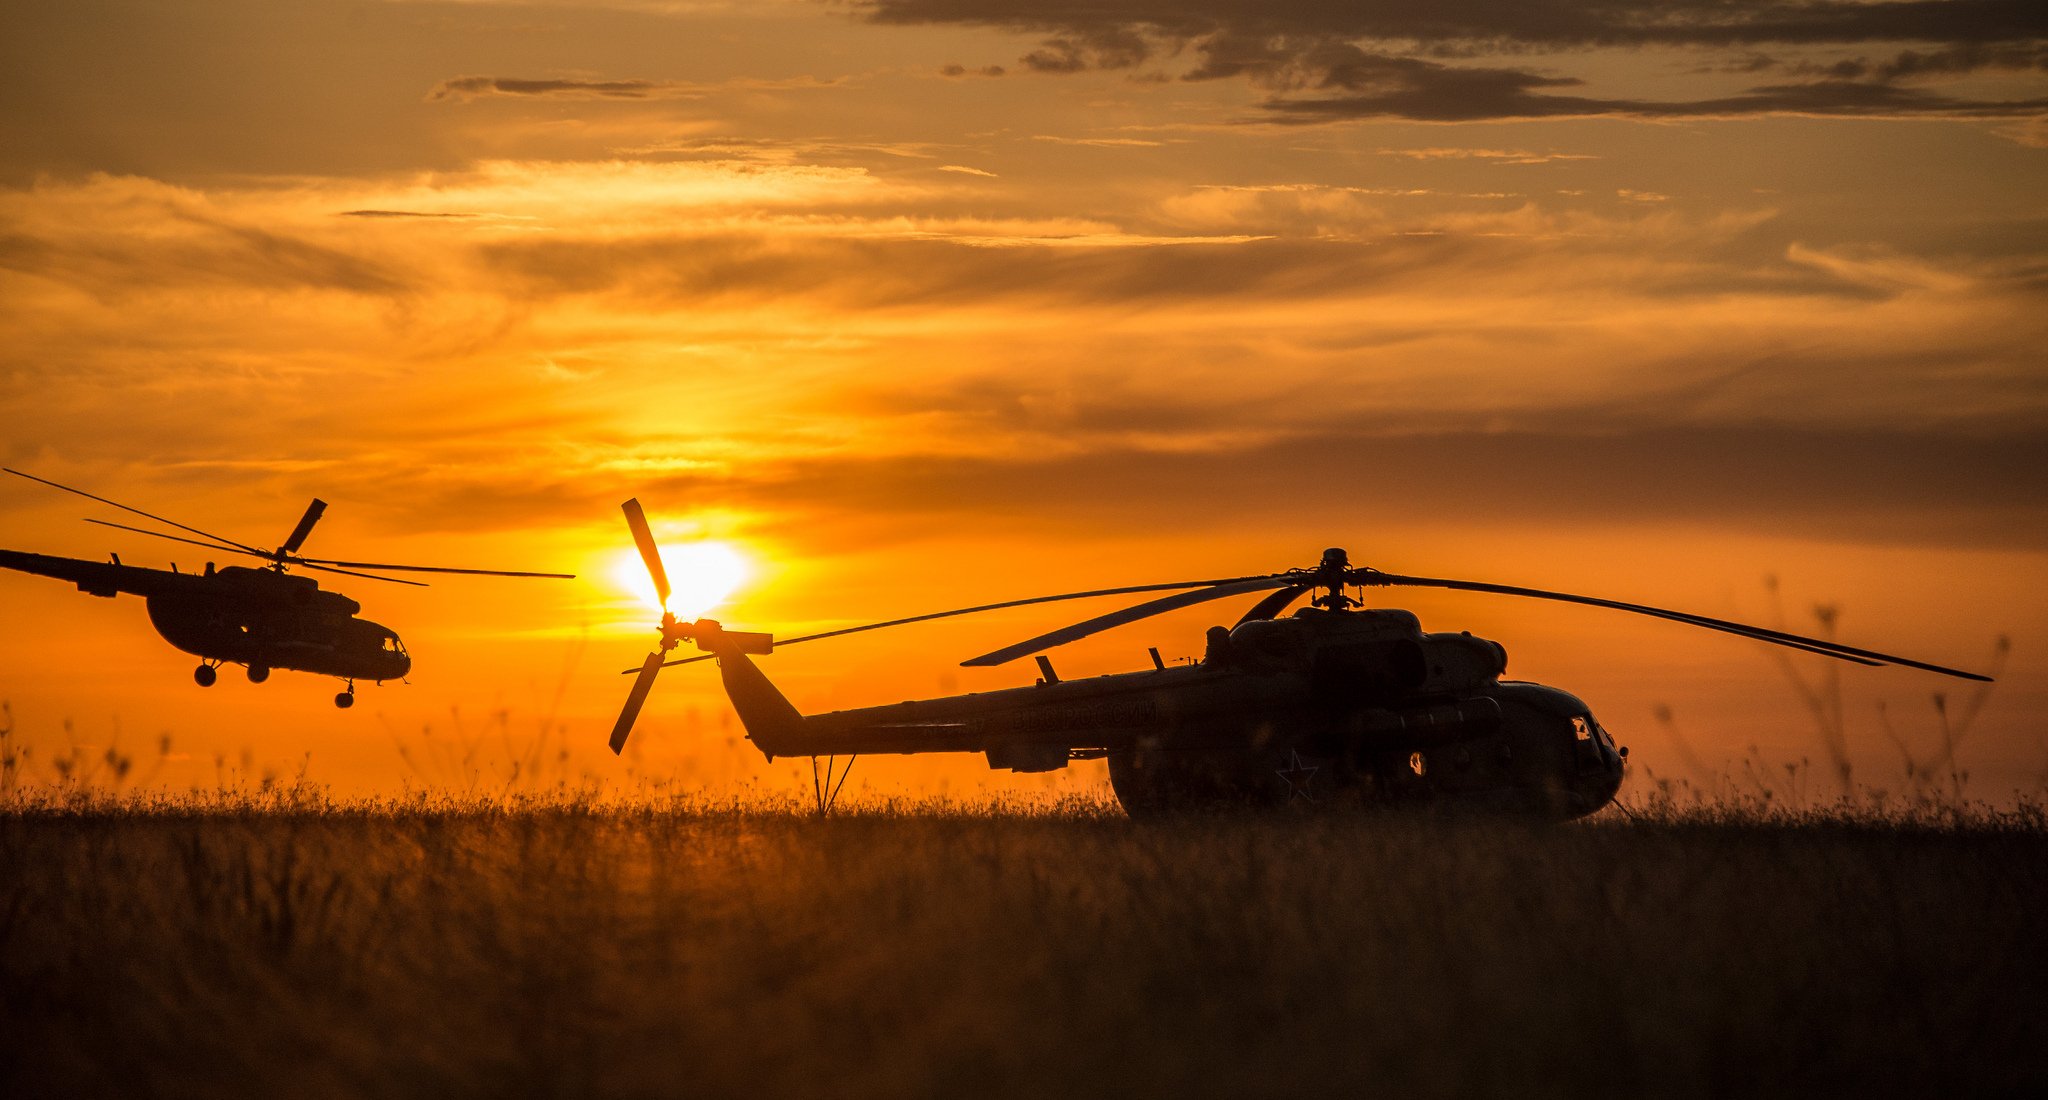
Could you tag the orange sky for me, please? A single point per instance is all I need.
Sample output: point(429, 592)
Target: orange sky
point(924, 303)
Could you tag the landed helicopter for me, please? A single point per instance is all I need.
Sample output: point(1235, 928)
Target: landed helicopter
point(1337, 703)
point(261, 618)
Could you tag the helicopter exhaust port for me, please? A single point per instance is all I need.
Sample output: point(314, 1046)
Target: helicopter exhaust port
point(1029, 758)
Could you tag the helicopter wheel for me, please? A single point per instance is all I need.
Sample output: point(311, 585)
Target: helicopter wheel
point(259, 673)
point(347, 698)
point(204, 676)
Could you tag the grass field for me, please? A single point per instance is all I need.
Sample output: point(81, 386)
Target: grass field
point(288, 946)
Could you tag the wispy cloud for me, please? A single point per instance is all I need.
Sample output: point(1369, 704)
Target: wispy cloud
point(400, 214)
point(473, 87)
point(476, 87)
point(1100, 142)
point(1504, 156)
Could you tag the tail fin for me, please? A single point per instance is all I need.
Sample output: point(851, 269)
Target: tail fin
point(770, 719)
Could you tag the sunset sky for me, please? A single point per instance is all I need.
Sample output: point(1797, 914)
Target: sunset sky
point(913, 304)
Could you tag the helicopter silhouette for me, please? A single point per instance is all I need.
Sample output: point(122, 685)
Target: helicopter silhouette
point(262, 618)
point(1337, 703)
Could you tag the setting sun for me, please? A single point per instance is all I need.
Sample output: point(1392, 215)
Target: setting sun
point(701, 575)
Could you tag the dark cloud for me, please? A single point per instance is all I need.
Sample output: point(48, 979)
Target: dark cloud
point(1748, 63)
point(1334, 60)
point(1501, 23)
point(1106, 48)
point(1915, 65)
point(472, 87)
point(1411, 88)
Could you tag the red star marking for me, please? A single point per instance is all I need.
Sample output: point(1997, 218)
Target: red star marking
point(1297, 773)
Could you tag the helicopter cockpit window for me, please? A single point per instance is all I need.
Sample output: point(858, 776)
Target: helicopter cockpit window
point(1582, 729)
point(391, 644)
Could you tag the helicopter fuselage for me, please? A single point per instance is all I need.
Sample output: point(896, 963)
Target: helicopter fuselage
point(1324, 706)
point(261, 618)
point(1335, 703)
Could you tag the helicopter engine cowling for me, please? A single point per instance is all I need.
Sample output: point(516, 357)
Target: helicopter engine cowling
point(1460, 662)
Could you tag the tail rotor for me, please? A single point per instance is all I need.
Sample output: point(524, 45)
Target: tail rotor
point(643, 537)
point(707, 633)
point(642, 684)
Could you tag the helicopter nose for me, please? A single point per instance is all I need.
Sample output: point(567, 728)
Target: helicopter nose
point(1607, 779)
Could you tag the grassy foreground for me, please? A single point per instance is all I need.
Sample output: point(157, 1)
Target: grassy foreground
point(427, 949)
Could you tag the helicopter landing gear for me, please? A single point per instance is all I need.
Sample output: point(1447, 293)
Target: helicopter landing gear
point(204, 675)
point(347, 698)
point(259, 673)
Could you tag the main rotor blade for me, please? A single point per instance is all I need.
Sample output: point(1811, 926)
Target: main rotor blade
point(103, 500)
point(229, 549)
point(1124, 591)
point(1128, 615)
point(634, 698)
point(296, 560)
point(365, 576)
point(174, 538)
point(1762, 634)
point(780, 642)
point(298, 536)
point(649, 553)
point(1274, 604)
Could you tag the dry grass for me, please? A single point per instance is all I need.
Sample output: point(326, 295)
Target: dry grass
point(286, 945)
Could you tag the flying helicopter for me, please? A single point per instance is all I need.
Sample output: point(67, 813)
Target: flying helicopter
point(262, 618)
point(1336, 703)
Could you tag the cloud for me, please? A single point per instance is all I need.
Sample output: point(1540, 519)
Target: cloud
point(834, 351)
point(1103, 47)
point(787, 151)
point(1879, 487)
point(115, 236)
point(1424, 91)
point(1102, 143)
point(399, 214)
point(1547, 23)
point(477, 87)
point(1504, 156)
point(1327, 61)
point(474, 87)
point(1914, 65)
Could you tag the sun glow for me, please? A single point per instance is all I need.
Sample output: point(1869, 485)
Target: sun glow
point(701, 575)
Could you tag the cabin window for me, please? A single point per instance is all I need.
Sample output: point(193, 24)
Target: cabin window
point(1581, 728)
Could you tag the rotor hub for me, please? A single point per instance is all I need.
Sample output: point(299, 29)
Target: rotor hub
point(1333, 573)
